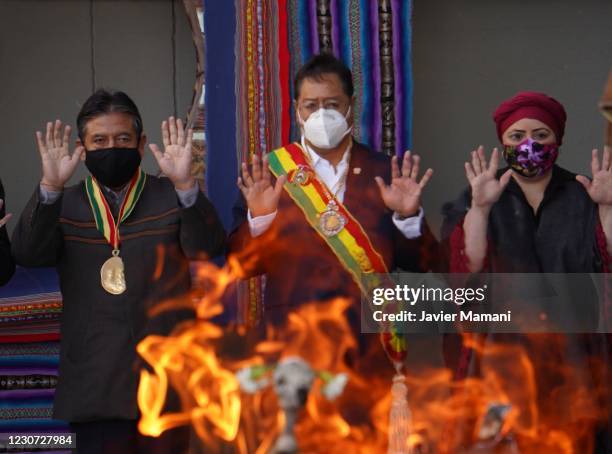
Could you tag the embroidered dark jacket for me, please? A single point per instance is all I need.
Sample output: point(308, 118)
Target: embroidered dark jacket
point(98, 372)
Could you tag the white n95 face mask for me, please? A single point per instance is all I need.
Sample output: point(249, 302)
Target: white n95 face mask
point(326, 128)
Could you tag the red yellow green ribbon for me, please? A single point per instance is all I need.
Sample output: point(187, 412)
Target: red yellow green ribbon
point(105, 222)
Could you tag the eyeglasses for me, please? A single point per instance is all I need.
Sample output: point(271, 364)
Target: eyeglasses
point(309, 107)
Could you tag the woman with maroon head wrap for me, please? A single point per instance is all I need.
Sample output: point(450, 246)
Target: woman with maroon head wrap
point(536, 217)
point(533, 216)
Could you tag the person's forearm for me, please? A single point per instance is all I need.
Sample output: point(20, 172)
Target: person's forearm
point(605, 217)
point(48, 196)
point(202, 233)
point(187, 197)
point(475, 233)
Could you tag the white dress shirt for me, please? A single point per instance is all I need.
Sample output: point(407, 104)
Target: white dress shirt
point(330, 176)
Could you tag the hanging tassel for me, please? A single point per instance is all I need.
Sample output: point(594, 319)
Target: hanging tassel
point(399, 416)
point(400, 419)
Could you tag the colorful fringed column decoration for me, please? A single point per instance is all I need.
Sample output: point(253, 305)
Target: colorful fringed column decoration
point(263, 103)
point(250, 292)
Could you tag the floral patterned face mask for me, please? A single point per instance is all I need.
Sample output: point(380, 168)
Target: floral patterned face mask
point(530, 158)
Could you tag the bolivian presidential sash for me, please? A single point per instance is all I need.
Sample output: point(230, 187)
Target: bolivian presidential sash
point(112, 276)
point(328, 216)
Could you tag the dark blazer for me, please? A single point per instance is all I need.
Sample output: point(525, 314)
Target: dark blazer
point(300, 266)
point(7, 264)
point(98, 371)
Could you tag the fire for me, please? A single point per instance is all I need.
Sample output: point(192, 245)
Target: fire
point(187, 360)
point(320, 334)
point(510, 406)
point(211, 390)
point(530, 388)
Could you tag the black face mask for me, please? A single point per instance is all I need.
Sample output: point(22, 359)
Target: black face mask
point(113, 167)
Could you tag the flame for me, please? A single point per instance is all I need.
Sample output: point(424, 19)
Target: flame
point(199, 361)
point(208, 391)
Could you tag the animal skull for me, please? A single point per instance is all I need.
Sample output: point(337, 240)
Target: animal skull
point(293, 379)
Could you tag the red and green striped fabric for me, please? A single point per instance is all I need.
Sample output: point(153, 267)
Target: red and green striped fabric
point(103, 215)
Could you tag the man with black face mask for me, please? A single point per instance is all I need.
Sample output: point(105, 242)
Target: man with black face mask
point(121, 241)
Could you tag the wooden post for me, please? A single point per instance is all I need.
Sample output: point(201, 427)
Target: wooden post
point(195, 116)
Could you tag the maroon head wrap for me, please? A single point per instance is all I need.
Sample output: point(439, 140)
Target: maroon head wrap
point(530, 104)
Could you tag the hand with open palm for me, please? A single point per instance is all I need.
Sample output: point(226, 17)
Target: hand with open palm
point(58, 165)
point(600, 188)
point(175, 160)
point(486, 188)
point(403, 195)
point(260, 194)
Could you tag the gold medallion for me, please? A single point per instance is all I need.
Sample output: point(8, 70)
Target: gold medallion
point(331, 221)
point(301, 176)
point(112, 276)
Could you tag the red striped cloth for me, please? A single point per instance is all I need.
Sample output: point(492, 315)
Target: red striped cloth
point(30, 318)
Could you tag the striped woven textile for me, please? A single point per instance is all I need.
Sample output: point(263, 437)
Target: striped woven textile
point(275, 37)
point(28, 376)
point(260, 105)
point(30, 306)
point(30, 318)
point(30, 309)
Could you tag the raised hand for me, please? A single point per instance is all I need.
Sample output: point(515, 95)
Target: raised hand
point(486, 188)
point(403, 195)
point(260, 195)
point(5, 219)
point(175, 160)
point(58, 165)
point(600, 189)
